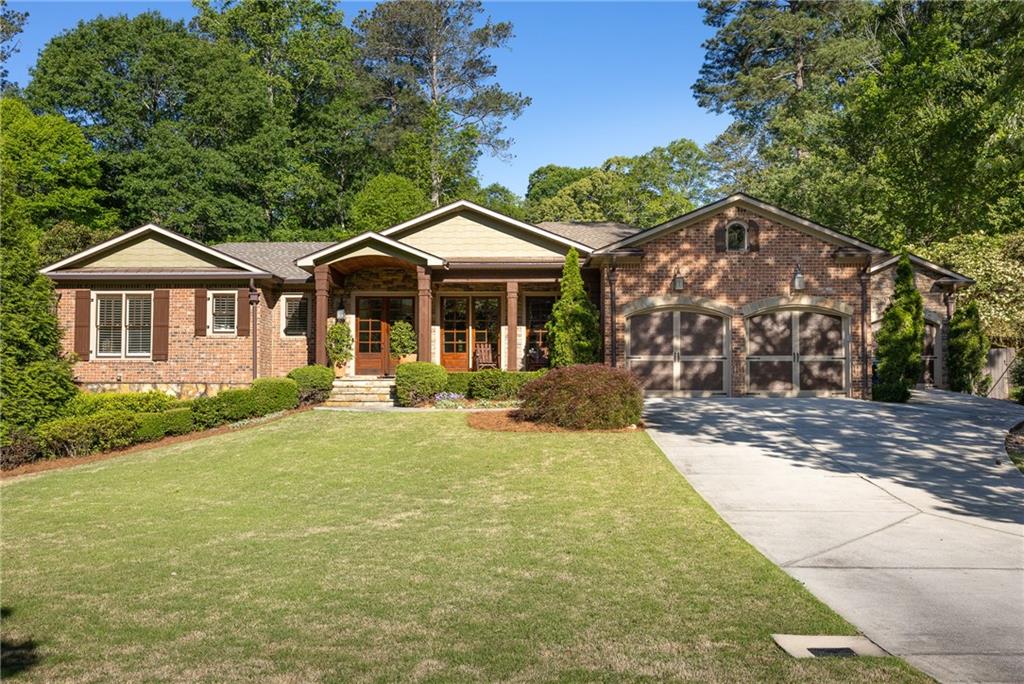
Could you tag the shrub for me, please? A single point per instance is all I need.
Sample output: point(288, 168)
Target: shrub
point(900, 339)
point(22, 447)
point(314, 383)
point(498, 384)
point(418, 381)
point(1017, 378)
point(402, 339)
point(32, 394)
point(339, 343)
point(84, 403)
point(271, 395)
point(583, 397)
point(968, 351)
point(458, 383)
point(82, 435)
point(154, 426)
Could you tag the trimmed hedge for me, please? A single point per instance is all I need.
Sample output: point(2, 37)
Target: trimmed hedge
point(418, 381)
point(81, 435)
point(84, 403)
point(154, 426)
point(314, 382)
point(267, 395)
point(583, 397)
point(491, 383)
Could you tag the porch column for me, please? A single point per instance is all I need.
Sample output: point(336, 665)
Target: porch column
point(322, 279)
point(424, 306)
point(512, 316)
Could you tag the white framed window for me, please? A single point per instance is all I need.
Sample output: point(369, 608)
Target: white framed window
point(220, 309)
point(123, 324)
point(736, 237)
point(295, 315)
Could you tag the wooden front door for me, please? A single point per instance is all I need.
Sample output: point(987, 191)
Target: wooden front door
point(374, 318)
point(455, 333)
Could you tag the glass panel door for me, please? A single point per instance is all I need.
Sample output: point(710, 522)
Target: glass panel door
point(370, 336)
point(770, 357)
point(396, 309)
point(455, 333)
point(486, 331)
point(538, 313)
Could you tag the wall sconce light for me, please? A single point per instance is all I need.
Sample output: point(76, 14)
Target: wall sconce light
point(798, 279)
point(678, 282)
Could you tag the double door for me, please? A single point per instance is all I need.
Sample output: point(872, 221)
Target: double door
point(680, 352)
point(374, 318)
point(797, 352)
point(467, 325)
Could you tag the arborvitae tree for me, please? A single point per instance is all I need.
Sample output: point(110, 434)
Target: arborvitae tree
point(968, 351)
point(574, 331)
point(900, 338)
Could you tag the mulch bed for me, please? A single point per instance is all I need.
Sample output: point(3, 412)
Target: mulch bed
point(1015, 441)
point(61, 463)
point(509, 421)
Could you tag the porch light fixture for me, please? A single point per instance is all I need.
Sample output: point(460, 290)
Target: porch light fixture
point(798, 279)
point(678, 282)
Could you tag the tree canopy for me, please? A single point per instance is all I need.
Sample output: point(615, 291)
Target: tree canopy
point(387, 200)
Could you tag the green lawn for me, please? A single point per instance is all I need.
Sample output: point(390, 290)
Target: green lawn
point(360, 546)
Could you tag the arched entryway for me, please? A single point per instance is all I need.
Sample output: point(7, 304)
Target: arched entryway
point(679, 346)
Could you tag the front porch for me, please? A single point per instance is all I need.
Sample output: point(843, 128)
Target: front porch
point(467, 315)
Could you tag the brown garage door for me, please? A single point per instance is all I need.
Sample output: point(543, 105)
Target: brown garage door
point(796, 352)
point(679, 352)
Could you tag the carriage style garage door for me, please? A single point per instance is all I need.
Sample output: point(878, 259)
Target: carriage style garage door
point(797, 352)
point(679, 352)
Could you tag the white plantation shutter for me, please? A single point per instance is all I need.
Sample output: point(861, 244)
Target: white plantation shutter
point(296, 315)
point(108, 325)
point(222, 313)
point(140, 324)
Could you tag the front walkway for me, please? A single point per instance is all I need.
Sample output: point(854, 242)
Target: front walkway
point(897, 516)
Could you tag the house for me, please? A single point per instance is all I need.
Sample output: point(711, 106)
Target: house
point(736, 297)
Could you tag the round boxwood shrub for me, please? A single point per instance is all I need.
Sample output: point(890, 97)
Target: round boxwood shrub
point(583, 397)
point(271, 395)
point(154, 426)
point(488, 384)
point(418, 381)
point(314, 382)
point(85, 403)
point(81, 435)
point(458, 383)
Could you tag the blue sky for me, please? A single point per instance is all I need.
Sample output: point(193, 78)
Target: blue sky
point(608, 78)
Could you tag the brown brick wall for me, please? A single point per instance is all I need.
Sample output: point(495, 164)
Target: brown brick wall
point(195, 365)
point(737, 279)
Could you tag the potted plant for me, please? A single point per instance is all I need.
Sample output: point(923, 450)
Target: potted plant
point(402, 342)
point(339, 346)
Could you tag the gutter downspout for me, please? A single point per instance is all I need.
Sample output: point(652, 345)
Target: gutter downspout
point(613, 276)
point(254, 300)
point(865, 373)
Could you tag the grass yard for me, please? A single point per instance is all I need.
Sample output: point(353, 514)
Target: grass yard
point(363, 546)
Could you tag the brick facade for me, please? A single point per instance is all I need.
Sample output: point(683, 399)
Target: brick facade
point(196, 365)
point(736, 279)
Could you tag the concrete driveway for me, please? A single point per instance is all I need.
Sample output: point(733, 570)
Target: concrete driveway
point(897, 516)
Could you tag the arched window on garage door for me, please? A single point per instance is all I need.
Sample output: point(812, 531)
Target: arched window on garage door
point(679, 351)
point(798, 352)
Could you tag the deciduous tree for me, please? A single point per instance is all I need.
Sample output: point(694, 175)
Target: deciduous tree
point(387, 200)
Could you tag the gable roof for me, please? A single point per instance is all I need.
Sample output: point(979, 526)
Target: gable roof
point(515, 224)
point(275, 257)
point(750, 202)
point(310, 260)
point(920, 262)
point(245, 269)
point(592, 233)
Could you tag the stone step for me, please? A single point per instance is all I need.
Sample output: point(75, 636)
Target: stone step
point(362, 396)
point(374, 382)
point(333, 403)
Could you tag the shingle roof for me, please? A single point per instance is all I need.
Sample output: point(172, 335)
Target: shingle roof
point(276, 257)
point(594, 234)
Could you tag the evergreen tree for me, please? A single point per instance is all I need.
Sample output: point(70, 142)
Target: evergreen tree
point(967, 351)
point(900, 339)
point(574, 331)
point(387, 200)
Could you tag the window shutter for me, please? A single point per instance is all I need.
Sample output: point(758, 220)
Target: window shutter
point(753, 237)
point(161, 323)
point(83, 323)
point(242, 313)
point(720, 237)
point(200, 308)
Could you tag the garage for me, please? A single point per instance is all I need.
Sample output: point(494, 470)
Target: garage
point(680, 352)
point(798, 352)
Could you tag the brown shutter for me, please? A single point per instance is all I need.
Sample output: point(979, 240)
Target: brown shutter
point(242, 313)
point(161, 323)
point(83, 323)
point(200, 308)
point(753, 237)
point(720, 237)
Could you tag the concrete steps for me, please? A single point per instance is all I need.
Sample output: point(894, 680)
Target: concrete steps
point(362, 392)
